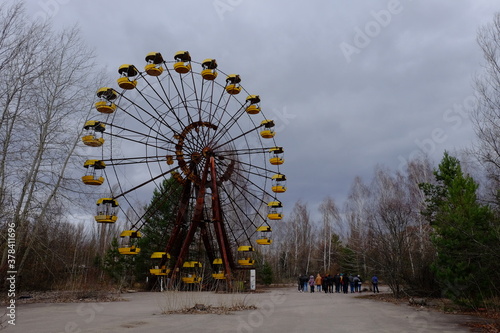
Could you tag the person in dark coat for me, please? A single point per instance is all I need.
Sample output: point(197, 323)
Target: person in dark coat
point(330, 283)
point(336, 280)
point(324, 283)
point(303, 282)
point(345, 283)
point(300, 285)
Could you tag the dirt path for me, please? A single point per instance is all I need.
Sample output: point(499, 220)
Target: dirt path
point(278, 310)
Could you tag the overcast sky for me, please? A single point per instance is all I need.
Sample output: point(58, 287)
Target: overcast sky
point(351, 84)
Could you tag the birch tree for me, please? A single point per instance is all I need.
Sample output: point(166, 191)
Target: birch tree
point(330, 215)
point(46, 94)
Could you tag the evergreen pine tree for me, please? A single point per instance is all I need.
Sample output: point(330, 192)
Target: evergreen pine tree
point(462, 234)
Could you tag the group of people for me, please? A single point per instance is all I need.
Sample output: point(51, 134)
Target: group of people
point(340, 282)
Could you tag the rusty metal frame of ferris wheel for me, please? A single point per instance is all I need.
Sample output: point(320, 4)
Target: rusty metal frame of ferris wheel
point(198, 222)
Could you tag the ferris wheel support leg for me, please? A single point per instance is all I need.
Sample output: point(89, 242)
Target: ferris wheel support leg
point(173, 245)
point(195, 223)
point(221, 235)
point(180, 221)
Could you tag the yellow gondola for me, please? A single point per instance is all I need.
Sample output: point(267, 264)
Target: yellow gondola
point(264, 239)
point(209, 69)
point(277, 159)
point(91, 177)
point(190, 276)
point(192, 264)
point(106, 97)
point(233, 84)
point(127, 81)
point(106, 210)
point(91, 130)
point(128, 239)
point(275, 210)
point(154, 64)
point(245, 260)
point(246, 248)
point(278, 185)
point(268, 133)
point(157, 270)
point(253, 108)
point(129, 250)
point(182, 64)
point(160, 255)
point(219, 274)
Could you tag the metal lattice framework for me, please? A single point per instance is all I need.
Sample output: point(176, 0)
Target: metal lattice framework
point(188, 121)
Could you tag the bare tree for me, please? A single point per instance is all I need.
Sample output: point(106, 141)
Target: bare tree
point(388, 235)
point(297, 245)
point(46, 94)
point(486, 114)
point(330, 214)
point(358, 217)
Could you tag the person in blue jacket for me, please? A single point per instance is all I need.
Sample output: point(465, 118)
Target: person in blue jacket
point(375, 284)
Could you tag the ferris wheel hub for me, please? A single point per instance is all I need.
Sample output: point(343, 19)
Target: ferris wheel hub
point(196, 157)
point(207, 152)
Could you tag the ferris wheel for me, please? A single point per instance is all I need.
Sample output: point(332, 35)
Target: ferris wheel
point(189, 122)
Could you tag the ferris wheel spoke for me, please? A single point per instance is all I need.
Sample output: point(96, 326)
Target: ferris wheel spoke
point(182, 100)
point(243, 189)
point(158, 116)
point(136, 133)
point(252, 167)
point(244, 151)
point(199, 100)
point(170, 104)
point(238, 208)
point(212, 106)
point(167, 196)
point(135, 141)
point(246, 191)
point(132, 160)
point(232, 229)
point(146, 182)
point(233, 119)
point(234, 138)
point(195, 92)
point(143, 123)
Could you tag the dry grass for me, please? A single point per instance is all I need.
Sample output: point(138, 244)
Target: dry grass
point(180, 302)
point(66, 296)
